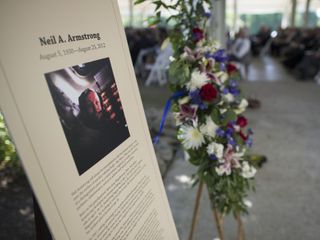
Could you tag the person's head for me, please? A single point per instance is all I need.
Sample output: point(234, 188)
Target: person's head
point(243, 33)
point(90, 106)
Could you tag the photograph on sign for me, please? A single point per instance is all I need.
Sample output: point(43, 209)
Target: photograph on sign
point(88, 104)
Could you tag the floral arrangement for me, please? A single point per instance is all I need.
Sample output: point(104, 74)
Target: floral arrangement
point(208, 107)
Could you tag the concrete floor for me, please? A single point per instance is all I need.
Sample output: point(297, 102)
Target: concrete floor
point(287, 130)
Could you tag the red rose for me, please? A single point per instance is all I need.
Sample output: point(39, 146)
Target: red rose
point(242, 121)
point(197, 34)
point(208, 92)
point(231, 68)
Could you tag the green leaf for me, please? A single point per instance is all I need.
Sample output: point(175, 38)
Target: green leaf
point(138, 2)
point(195, 161)
point(179, 72)
point(229, 116)
point(158, 5)
point(215, 115)
point(239, 140)
point(154, 20)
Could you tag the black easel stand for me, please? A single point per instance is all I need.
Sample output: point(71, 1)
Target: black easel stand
point(42, 230)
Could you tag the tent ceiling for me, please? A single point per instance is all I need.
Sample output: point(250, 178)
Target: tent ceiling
point(269, 6)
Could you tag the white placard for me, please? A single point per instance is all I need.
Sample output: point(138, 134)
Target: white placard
point(70, 97)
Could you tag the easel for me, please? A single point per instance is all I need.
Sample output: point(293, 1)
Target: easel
point(218, 218)
point(42, 230)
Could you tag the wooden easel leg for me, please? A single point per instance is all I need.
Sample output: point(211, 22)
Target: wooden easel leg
point(219, 223)
point(196, 211)
point(241, 235)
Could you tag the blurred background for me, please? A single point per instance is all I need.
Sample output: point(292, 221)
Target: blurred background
point(280, 77)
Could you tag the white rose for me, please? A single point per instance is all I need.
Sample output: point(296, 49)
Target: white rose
point(228, 97)
point(216, 149)
point(247, 170)
point(242, 106)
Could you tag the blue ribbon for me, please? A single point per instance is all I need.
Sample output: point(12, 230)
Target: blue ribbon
point(166, 109)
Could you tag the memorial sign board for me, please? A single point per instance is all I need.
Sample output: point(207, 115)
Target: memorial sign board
point(71, 101)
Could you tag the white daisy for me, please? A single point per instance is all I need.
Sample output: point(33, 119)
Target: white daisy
point(190, 136)
point(216, 149)
point(209, 128)
point(197, 81)
point(247, 170)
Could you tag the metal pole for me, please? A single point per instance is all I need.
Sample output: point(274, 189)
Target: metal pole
point(293, 12)
point(235, 16)
point(130, 13)
point(306, 13)
point(218, 22)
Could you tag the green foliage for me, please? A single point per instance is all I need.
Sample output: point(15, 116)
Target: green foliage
point(179, 72)
point(228, 116)
point(8, 155)
point(215, 115)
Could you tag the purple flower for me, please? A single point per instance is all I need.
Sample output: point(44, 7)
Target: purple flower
point(220, 132)
point(229, 132)
point(234, 91)
point(233, 83)
point(233, 122)
point(219, 56)
point(250, 132)
point(231, 141)
point(196, 99)
point(225, 91)
point(222, 67)
point(213, 157)
point(208, 14)
point(187, 112)
point(249, 142)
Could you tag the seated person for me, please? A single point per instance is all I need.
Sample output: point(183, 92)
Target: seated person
point(240, 49)
point(259, 40)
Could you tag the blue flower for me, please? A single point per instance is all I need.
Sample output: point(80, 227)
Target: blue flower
point(225, 91)
point(218, 56)
point(229, 132)
point(231, 141)
point(233, 83)
point(208, 14)
point(249, 142)
point(234, 91)
point(196, 99)
point(220, 132)
point(213, 157)
point(233, 122)
point(203, 106)
point(222, 67)
point(250, 132)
